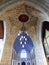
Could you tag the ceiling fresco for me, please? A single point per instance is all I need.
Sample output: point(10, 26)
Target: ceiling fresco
point(13, 13)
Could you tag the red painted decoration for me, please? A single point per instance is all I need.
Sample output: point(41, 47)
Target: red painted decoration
point(23, 18)
point(1, 29)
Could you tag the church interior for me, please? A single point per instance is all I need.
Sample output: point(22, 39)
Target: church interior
point(24, 32)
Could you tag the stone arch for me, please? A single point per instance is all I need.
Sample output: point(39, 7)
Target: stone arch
point(36, 35)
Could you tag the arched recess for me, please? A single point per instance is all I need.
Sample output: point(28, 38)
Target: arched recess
point(22, 49)
point(45, 38)
point(2, 37)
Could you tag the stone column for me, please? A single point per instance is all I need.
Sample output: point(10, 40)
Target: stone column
point(39, 51)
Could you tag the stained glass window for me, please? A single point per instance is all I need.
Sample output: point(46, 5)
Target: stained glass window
point(23, 54)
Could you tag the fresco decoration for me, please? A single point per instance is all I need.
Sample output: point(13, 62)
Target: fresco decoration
point(23, 18)
point(1, 29)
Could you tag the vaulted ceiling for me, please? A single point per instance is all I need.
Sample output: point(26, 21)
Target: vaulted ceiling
point(42, 3)
point(12, 11)
point(12, 14)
